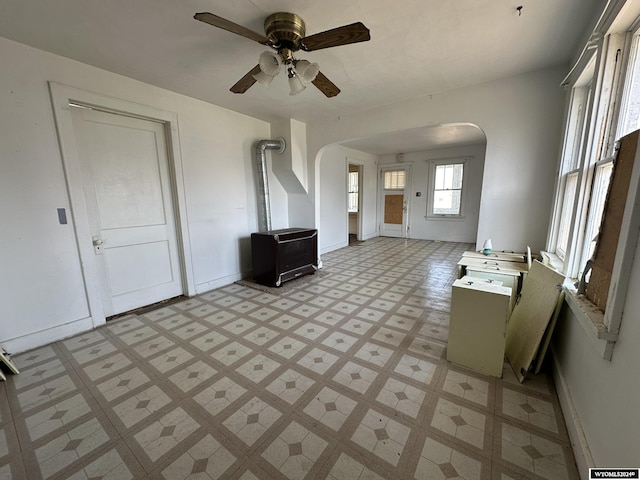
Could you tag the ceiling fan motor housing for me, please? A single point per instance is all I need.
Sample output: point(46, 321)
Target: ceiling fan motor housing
point(285, 30)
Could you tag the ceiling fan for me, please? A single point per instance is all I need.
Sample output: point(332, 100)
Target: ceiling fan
point(285, 33)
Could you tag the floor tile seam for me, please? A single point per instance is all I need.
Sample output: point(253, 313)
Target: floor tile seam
point(411, 455)
point(452, 443)
point(489, 432)
point(528, 474)
point(470, 404)
point(16, 468)
point(93, 456)
point(22, 427)
point(123, 429)
point(235, 443)
point(35, 464)
point(17, 410)
point(344, 447)
point(560, 436)
point(157, 473)
point(136, 360)
point(59, 354)
point(149, 464)
point(109, 405)
point(405, 419)
point(370, 457)
point(521, 388)
point(12, 390)
point(531, 429)
point(550, 399)
point(382, 375)
point(316, 469)
point(567, 452)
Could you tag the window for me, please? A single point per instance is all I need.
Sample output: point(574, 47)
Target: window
point(353, 182)
point(588, 150)
point(604, 106)
point(445, 193)
point(570, 171)
point(394, 180)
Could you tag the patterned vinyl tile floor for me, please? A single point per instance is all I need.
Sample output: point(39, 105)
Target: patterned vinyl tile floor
point(343, 377)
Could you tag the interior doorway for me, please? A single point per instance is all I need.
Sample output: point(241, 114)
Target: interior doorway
point(354, 201)
point(394, 200)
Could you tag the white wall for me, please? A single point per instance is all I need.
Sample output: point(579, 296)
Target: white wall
point(452, 230)
point(42, 293)
point(522, 119)
point(333, 228)
point(605, 394)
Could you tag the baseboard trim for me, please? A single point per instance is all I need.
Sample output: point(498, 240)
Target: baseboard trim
point(581, 451)
point(50, 335)
point(333, 247)
point(220, 282)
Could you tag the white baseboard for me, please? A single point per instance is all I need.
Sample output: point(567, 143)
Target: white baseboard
point(331, 248)
point(50, 335)
point(581, 451)
point(217, 283)
point(369, 236)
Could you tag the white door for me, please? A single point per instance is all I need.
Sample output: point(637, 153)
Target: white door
point(127, 190)
point(394, 201)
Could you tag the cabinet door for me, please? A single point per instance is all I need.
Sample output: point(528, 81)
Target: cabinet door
point(477, 327)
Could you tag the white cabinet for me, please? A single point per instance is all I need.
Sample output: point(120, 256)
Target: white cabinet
point(477, 327)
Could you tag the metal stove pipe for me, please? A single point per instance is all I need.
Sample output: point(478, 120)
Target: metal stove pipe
point(264, 202)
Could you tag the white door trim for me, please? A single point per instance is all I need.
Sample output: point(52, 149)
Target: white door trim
point(61, 96)
point(360, 165)
point(406, 226)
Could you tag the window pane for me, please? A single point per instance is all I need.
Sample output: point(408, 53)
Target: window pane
point(353, 203)
point(439, 183)
point(449, 177)
point(446, 202)
point(631, 107)
point(567, 211)
point(353, 182)
point(394, 180)
point(598, 198)
point(457, 176)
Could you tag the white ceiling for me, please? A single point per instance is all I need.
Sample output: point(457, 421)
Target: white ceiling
point(417, 47)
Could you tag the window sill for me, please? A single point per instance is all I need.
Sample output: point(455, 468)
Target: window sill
point(592, 321)
point(588, 316)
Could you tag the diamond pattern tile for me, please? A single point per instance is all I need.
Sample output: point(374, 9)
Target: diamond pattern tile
point(340, 375)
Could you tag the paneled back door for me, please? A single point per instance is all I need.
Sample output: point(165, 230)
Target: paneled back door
point(127, 189)
point(393, 194)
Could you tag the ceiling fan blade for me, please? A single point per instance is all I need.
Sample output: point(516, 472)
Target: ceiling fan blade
point(229, 26)
point(325, 85)
point(354, 33)
point(245, 82)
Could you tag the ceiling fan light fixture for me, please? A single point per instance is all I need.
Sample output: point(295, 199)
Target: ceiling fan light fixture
point(286, 33)
point(306, 70)
point(295, 83)
point(270, 63)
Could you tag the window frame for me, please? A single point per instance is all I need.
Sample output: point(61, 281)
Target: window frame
point(431, 181)
point(605, 123)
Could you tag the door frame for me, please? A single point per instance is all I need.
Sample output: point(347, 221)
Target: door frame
point(360, 165)
point(61, 96)
point(406, 228)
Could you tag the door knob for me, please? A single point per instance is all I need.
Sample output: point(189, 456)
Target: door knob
point(97, 245)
